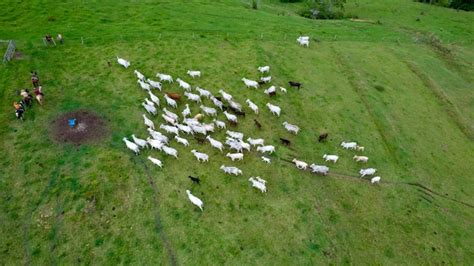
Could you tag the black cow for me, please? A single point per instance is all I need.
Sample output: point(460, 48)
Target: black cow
point(295, 84)
point(195, 180)
point(323, 137)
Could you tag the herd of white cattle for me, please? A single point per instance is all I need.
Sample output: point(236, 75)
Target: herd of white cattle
point(234, 140)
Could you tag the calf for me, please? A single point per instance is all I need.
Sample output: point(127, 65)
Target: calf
point(285, 142)
point(323, 137)
point(295, 84)
point(257, 124)
point(195, 180)
point(174, 96)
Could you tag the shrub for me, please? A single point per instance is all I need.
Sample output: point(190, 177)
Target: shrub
point(324, 9)
point(255, 4)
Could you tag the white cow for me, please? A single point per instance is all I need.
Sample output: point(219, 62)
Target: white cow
point(269, 148)
point(139, 75)
point(215, 143)
point(132, 146)
point(144, 85)
point(186, 129)
point(235, 135)
point(195, 200)
point(256, 183)
point(219, 124)
point(170, 114)
point(225, 95)
point(183, 84)
point(183, 141)
point(349, 145)
point(200, 156)
point(165, 77)
point(171, 102)
point(216, 102)
point(155, 144)
point(266, 159)
point(270, 91)
point(300, 164)
point(332, 158)
point(154, 84)
point(148, 122)
point(193, 97)
point(231, 170)
point(230, 117)
point(170, 129)
point(252, 106)
point(235, 156)
point(363, 159)
point(367, 171)
point(158, 136)
point(168, 119)
point(291, 128)
point(150, 108)
point(155, 161)
point(375, 180)
point(264, 69)
point(154, 98)
point(186, 112)
point(266, 79)
point(250, 83)
point(319, 169)
point(256, 142)
point(170, 151)
point(203, 92)
point(123, 62)
point(194, 73)
point(208, 110)
point(140, 142)
point(274, 109)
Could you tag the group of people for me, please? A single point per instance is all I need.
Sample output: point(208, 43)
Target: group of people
point(50, 41)
point(26, 97)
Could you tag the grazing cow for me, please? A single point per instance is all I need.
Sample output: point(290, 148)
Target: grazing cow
point(257, 123)
point(174, 95)
point(195, 180)
point(285, 141)
point(323, 137)
point(295, 84)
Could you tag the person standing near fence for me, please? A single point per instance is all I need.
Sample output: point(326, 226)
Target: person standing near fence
point(19, 110)
point(34, 79)
point(39, 94)
point(60, 38)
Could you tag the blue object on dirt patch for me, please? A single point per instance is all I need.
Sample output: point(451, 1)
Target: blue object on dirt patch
point(72, 122)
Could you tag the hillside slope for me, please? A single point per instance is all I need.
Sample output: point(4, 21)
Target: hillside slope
point(401, 88)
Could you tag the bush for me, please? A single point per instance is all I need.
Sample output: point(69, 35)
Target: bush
point(255, 4)
point(324, 9)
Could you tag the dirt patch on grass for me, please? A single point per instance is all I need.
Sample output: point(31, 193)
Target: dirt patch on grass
point(90, 127)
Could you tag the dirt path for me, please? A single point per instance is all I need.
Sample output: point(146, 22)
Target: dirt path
point(422, 188)
point(159, 226)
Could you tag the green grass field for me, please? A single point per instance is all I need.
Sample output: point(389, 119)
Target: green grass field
point(402, 93)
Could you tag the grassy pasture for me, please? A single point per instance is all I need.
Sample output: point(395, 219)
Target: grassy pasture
point(408, 103)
